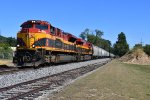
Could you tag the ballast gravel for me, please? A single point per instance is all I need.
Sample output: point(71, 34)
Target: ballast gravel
point(23, 76)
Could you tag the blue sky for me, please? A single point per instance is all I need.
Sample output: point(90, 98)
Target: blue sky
point(111, 16)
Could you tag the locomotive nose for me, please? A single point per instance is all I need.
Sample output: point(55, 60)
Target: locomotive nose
point(25, 40)
point(29, 39)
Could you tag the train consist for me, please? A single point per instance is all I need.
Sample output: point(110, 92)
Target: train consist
point(38, 42)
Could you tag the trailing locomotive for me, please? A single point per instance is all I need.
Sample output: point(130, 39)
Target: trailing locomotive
point(39, 42)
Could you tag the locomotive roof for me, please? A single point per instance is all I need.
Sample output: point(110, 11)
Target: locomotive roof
point(35, 21)
point(80, 40)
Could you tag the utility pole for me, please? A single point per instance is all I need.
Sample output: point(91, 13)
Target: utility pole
point(109, 51)
point(0, 32)
point(141, 42)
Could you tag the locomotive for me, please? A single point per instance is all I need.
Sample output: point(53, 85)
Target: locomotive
point(38, 42)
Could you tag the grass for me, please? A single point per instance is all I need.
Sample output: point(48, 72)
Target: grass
point(142, 68)
point(114, 81)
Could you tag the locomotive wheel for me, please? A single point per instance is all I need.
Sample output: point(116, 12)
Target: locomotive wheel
point(27, 57)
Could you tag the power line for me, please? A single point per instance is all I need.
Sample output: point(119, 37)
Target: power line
point(141, 42)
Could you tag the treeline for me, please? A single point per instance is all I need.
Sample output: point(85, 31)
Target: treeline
point(95, 37)
point(5, 44)
point(119, 48)
point(10, 41)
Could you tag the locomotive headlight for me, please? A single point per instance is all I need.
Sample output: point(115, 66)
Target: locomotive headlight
point(33, 46)
point(18, 45)
point(33, 21)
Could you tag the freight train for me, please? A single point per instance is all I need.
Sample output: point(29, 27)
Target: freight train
point(38, 42)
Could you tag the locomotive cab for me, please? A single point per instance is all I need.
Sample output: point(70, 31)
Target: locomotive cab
point(34, 27)
point(31, 43)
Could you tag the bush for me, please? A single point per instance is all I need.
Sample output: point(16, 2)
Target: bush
point(147, 49)
point(5, 51)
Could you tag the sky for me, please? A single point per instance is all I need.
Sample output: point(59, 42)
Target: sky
point(110, 16)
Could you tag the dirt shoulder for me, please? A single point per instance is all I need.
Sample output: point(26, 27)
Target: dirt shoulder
point(114, 81)
point(6, 62)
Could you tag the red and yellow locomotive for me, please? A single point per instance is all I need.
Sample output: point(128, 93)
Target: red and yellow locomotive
point(39, 42)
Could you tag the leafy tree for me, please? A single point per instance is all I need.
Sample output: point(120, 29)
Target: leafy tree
point(5, 44)
point(91, 38)
point(5, 51)
point(82, 35)
point(138, 46)
point(98, 36)
point(147, 49)
point(11, 41)
point(99, 33)
point(121, 47)
point(3, 39)
point(8, 40)
point(95, 37)
point(85, 34)
point(106, 44)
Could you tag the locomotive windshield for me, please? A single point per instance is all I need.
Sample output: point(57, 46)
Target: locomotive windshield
point(41, 27)
point(38, 26)
point(27, 26)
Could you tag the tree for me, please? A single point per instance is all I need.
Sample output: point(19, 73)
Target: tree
point(85, 34)
point(5, 44)
point(147, 49)
point(95, 37)
point(106, 44)
point(91, 38)
point(99, 33)
point(121, 47)
point(138, 46)
point(5, 51)
point(11, 41)
point(8, 40)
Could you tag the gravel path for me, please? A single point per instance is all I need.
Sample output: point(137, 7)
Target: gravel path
point(22, 76)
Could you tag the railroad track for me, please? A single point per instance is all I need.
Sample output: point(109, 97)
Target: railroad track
point(12, 69)
point(32, 89)
point(7, 69)
point(4, 69)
